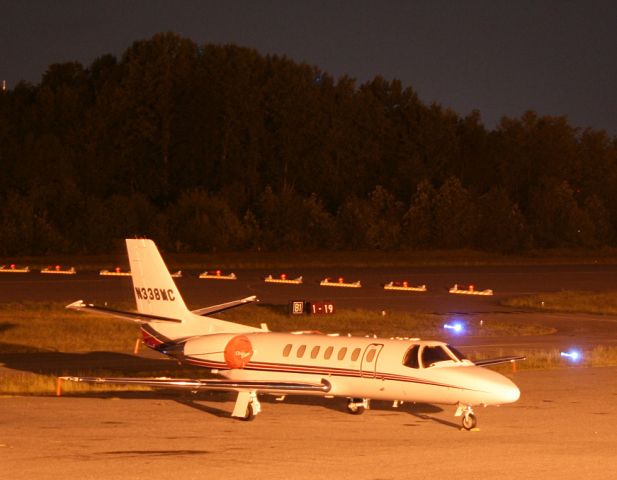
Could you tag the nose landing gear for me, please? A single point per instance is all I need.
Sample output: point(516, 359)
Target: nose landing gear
point(469, 420)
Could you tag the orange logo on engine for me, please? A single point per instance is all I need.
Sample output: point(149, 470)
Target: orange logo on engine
point(238, 352)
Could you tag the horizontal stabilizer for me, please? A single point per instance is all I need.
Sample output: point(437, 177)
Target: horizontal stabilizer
point(225, 306)
point(209, 384)
point(495, 361)
point(132, 316)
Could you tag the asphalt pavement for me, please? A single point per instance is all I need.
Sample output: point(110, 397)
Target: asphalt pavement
point(506, 281)
point(562, 428)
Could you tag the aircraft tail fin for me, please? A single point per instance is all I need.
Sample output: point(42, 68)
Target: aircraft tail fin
point(159, 301)
point(154, 289)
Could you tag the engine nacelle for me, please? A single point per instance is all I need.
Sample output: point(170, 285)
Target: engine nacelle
point(224, 350)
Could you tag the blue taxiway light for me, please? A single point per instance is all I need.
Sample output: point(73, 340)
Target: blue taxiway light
point(573, 355)
point(457, 327)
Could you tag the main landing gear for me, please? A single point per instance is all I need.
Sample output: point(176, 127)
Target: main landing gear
point(247, 406)
point(469, 421)
point(356, 406)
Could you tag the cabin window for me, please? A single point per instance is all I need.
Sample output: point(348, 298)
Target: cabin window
point(370, 355)
point(287, 350)
point(433, 355)
point(301, 350)
point(411, 357)
point(328, 353)
point(341, 353)
point(355, 354)
point(315, 351)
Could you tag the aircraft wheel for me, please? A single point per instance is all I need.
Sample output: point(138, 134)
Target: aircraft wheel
point(355, 407)
point(469, 421)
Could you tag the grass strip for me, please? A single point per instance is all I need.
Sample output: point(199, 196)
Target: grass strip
point(600, 356)
point(49, 327)
point(599, 303)
point(47, 331)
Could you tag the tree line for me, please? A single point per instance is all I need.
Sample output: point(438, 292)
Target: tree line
point(218, 147)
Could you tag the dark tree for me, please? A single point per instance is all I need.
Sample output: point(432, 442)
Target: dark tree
point(218, 147)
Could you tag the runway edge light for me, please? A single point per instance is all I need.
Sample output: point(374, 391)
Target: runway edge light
point(572, 355)
point(456, 327)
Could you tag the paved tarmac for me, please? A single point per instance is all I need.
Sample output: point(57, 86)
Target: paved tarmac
point(506, 281)
point(563, 427)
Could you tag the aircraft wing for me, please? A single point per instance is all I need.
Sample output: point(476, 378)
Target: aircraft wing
point(225, 306)
point(133, 316)
point(209, 384)
point(495, 361)
point(146, 318)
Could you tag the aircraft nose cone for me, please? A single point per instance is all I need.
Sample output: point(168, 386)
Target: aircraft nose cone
point(506, 391)
point(511, 394)
point(498, 388)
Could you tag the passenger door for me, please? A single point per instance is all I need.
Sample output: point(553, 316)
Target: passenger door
point(368, 366)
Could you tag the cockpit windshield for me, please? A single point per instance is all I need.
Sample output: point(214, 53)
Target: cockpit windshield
point(433, 355)
point(456, 353)
point(428, 356)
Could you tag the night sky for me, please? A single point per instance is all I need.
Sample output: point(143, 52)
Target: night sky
point(500, 57)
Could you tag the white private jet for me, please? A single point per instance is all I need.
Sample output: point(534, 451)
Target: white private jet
point(255, 361)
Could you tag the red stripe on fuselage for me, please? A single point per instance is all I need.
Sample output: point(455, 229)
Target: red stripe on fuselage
point(320, 370)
